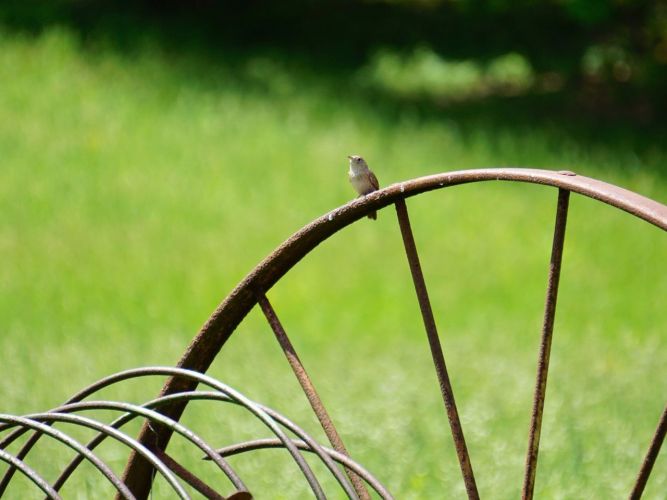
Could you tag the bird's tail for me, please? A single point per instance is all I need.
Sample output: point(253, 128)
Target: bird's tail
point(373, 215)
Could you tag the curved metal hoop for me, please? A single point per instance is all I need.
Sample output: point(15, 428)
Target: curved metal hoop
point(148, 450)
point(227, 316)
point(164, 464)
point(251, 290)
point(224, 320)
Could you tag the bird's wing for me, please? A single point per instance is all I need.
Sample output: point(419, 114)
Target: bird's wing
point(374, 180)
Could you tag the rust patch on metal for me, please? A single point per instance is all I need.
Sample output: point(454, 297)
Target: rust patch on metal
point(309, 390)
point(216, 331)
point(545, 345)
point(188, 476)
point(651, 455)
point(436, 350)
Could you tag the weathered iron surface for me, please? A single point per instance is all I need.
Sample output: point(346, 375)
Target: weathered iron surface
point(545, 344)
point(214, 333)
point(189, 477)
point(347, 462)
point(34, 422)
point(30, 473)
point(161, 415)
point(436, 350)
point(651, 455)
point(309, 390)
point(163, 463)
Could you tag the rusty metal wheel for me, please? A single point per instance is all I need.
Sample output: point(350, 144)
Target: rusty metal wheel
point(251, 291)
point(162, 414)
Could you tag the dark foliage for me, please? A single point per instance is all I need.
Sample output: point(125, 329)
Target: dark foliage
point(612, 54)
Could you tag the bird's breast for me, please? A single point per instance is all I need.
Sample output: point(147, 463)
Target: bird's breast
point(360, 182)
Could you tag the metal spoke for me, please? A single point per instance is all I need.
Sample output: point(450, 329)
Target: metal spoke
point(148, 454)
point(309, 390)
point(545, 344)
point(210, 396)
point(188, 476)
point(206, 345)
point(651, 455)
point(436, 349)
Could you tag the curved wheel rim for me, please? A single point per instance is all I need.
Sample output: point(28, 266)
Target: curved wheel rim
point(223, 322)
point(228, 315)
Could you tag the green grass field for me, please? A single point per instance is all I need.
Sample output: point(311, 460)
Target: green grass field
point(137, 188)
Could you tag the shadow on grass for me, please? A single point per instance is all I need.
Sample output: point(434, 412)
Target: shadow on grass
point(204, 52)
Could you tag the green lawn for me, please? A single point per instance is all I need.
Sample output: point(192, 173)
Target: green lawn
point(136, 189)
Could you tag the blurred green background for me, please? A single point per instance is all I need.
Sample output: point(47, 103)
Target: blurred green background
point(151, 155)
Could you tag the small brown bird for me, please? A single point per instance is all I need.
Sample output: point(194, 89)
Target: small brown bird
point(363, 179)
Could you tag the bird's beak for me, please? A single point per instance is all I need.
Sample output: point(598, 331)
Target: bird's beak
point(349, 157)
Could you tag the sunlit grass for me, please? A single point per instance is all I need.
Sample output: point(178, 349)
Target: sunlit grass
point(137, 189)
